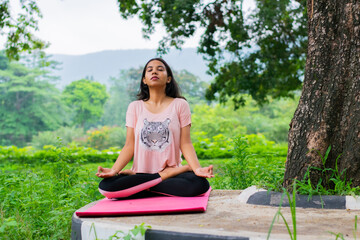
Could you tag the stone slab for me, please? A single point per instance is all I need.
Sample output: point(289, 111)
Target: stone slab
point(226, 217)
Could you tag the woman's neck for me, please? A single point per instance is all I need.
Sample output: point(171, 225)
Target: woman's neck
point(157, 97)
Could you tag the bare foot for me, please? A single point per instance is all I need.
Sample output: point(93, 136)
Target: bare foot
point(169, 172)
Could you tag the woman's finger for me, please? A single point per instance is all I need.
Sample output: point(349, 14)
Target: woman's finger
point(211, 169)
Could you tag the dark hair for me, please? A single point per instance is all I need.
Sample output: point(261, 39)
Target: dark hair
point(172, 89)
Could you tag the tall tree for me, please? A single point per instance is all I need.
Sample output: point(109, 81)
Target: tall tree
point(28, 103)
point(328, 113)
point(191, 86)
point(329, 109)
point(263, 55)
point(87, 99)
point(18, 27)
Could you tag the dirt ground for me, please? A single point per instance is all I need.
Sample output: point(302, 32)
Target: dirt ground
point(226, 216)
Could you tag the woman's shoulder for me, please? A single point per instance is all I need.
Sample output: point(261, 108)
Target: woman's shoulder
point(181, 101)
point(181, 105)
point(136, 103)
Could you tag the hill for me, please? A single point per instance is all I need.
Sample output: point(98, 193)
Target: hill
point(101, 65)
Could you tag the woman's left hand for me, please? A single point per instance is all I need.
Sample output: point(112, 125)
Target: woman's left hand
point(206, 172)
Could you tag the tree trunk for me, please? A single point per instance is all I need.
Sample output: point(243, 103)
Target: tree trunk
point(328, 113)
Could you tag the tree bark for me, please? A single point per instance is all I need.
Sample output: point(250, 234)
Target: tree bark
point(328, 113)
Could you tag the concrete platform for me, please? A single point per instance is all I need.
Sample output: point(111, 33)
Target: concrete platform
point(225, 218)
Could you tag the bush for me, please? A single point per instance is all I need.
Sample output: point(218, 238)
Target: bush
point(51, 154)
point(216, 119)
point(37, 202)
point(67, 134)
point(106, 137)
point(257, 161)
point(217, 147)
point(44, 138)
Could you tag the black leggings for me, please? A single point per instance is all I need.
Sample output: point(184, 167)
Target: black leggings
point(185, 185)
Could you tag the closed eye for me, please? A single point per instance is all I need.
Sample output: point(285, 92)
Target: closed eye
point(159, 68)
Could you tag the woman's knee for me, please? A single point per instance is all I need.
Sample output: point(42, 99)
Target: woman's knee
point(107, 184)
point(184, 185)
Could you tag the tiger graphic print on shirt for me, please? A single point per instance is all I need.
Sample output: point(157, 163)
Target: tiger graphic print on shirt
point(155, 135)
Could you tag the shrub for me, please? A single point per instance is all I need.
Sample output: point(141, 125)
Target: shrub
point(257, 161)
point(218, 146)
point(106, 137)
point(51, 154)
point(37, 202)
point(67, 134)
point(44, 138)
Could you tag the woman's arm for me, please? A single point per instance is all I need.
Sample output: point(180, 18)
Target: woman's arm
point(123, 159)
point(189, 153)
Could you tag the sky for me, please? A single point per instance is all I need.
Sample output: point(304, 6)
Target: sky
point(78, 27)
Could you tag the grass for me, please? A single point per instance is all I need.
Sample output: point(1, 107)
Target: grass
point(293, 232)
point(38, 200)
point(292, 203)
point(258, 165)
point(130, 235)
point(331, 181)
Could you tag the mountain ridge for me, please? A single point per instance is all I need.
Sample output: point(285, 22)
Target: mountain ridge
point(102, 65)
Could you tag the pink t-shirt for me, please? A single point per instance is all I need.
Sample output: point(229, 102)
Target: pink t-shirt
point(157, 136)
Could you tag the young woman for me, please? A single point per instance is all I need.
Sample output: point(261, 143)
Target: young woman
point(158, 131)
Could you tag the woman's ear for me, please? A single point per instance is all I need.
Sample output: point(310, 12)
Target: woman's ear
point(144, 81)
point(169, 80)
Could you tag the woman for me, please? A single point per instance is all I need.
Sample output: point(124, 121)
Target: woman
point(158, 131)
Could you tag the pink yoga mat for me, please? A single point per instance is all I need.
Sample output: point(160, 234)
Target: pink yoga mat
point(151, 205)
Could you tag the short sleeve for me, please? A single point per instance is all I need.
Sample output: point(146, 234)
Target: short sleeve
point(131, 115)
point(185, 114)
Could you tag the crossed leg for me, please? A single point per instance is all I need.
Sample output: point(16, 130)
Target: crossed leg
point(171, 181)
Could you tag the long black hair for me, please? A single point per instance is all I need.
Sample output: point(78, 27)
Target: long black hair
point(172, 89)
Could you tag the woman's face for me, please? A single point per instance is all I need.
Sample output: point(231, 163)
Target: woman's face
point(156, 74)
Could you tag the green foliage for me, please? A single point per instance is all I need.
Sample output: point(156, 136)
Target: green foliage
point(272, 119)
point(50, 154)
point(238, 172)
point(331, 181)
point(191, 86)
point(215, 120)
point(130, 235)
point(87, 99)
point(259, 123)
point(28, 103)
point(67, 134)
point(19, 28)
point(257, 161)
point(37, 202)
point(106, 137)
point(218, 146)
point(263, 55)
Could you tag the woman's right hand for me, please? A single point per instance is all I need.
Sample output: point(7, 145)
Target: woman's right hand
point(105, 172)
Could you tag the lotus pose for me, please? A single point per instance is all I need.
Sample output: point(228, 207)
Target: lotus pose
point(158, 132)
